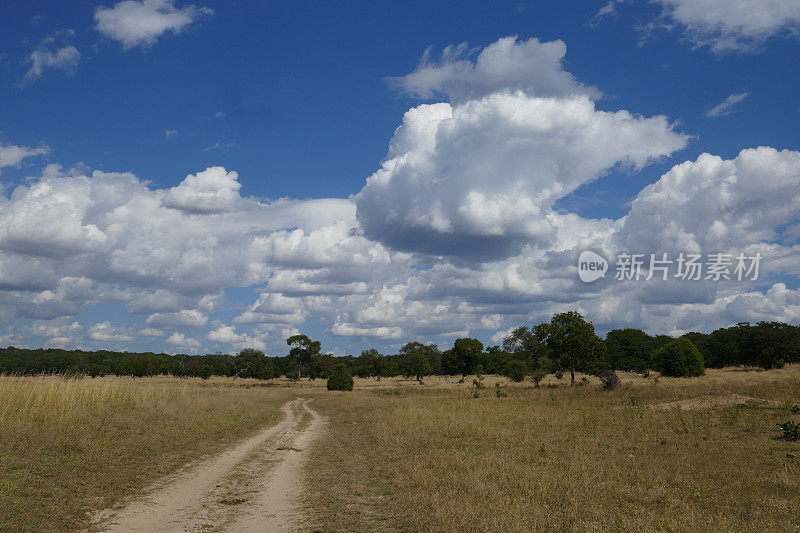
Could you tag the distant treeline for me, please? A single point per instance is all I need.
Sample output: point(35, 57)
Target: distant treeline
point(566, 343)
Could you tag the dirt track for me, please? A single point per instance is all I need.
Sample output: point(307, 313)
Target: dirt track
point(252, 486)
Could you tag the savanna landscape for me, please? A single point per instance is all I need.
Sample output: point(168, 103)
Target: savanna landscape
point(377, 267)
point(419, 450)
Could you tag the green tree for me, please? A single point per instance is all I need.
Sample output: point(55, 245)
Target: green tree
point(249, 362)
point(417, 358)
point(304, 351)
point(527, 344)
point(573, 343)
point(466, 355)
point(516, 370)
point(628, 349)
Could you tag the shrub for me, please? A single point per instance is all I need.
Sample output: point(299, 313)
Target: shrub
point(516, 370)
point(609, 381)
point(538, 375)
point(340, 378)
point(559, 374)
point(791, 431)
point(205, 371)
point(679, 358)
point(478, 383)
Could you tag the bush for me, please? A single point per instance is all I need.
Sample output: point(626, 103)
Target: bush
point(791, 431)
point(516, 370)
point(609, 381)
point(205, 371)
point(679, 358)
point(340, 378)
point(538, 375)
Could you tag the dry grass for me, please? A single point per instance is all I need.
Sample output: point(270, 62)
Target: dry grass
point(70, 446)
point(433, 458)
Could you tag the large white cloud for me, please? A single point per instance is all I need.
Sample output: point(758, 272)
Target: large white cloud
point(741, 25)
point(712, 204)
point(479, 179)
point(142, 22)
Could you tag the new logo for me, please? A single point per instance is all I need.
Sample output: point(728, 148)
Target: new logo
point(591, 266)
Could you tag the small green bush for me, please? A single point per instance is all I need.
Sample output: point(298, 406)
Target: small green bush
point(679, 358)
point(609, 381)
point(205, 371)
point(791, 431)
point(538, 375)
point(516, 370)
point(340, 378)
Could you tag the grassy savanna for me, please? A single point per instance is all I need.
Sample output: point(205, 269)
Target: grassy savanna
point(71, 446)
point(435, 458)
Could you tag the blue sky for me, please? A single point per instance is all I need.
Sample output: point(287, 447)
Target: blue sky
point(295, 98)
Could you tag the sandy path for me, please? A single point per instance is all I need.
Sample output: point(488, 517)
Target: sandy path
point(189, 500)
point(273, 508)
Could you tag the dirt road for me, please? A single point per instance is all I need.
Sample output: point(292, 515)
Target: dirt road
point(253, 486)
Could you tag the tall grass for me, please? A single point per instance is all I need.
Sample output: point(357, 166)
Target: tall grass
point(73, 445)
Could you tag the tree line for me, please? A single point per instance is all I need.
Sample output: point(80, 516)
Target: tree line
point(568, 344)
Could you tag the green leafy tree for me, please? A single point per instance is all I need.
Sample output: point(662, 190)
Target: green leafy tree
point(573, 343)
point(304, 351)
point(527, 344)
point(628, 349)
point(417, 359)
point(516, 370)
point(466, 354)
point(249, 362)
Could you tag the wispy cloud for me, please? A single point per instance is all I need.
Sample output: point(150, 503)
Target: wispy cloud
point(141, 23)
point(169, 134)
point(65, 59)
point(219, 146)
point(726, 107)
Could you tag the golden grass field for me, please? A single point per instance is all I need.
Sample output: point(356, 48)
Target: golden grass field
point(398, 456)
point(71, 446)
point(404, 457)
